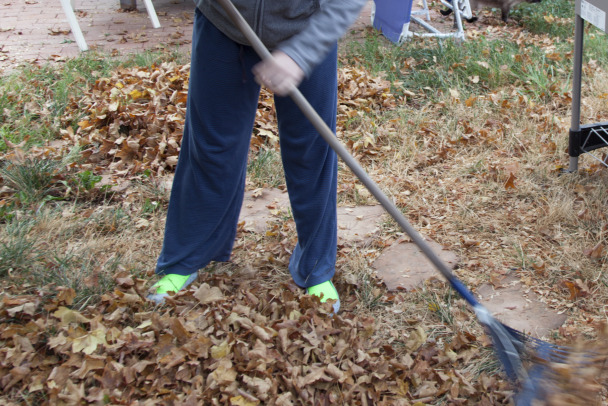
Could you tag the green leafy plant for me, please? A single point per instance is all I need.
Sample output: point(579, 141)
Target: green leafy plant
point(88, 180)
point(150, 206)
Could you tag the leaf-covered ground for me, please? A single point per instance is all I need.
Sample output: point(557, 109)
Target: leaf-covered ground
point(479, 174)
point(230, 341)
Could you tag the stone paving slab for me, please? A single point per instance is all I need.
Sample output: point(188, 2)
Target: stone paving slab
point(517, 306)
point(260, 207)
point(404, 266)
point(356, 225)
point(359, 225)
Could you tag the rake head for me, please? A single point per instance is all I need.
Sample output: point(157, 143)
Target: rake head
point(547, 374)
point(550, 374)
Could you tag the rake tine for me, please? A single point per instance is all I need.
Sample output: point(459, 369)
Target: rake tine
point(544, 375)
point(544, 350)
point(504, 345)
point(508, 341)
point(532, 388)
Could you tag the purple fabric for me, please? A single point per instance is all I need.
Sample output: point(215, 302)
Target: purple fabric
point(390, 16)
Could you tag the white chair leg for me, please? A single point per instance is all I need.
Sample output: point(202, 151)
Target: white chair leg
point(426, 9)
point(465, 8)
point(69, 12)
point(152, 13)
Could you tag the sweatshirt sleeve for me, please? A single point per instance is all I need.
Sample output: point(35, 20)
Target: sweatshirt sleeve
point(325, 27)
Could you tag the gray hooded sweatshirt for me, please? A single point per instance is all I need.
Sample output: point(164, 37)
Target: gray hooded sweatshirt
point(303, 29)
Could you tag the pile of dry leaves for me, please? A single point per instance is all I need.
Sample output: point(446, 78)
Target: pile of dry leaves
point(134, 120)
point(230, 341)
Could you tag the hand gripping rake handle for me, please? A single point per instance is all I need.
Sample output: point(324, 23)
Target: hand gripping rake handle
point(504, 345)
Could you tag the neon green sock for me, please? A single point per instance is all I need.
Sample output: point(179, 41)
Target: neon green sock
point(325, 291)
point(171, 283)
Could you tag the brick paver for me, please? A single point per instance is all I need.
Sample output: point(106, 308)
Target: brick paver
point(37, 31)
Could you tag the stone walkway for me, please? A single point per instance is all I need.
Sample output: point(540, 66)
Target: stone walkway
point(38, 30)
point(403, 265)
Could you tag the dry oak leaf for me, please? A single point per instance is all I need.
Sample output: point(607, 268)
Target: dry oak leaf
point(27, 308)
point(264, 334)
point(220, 351)
point(66, 295)
point(68, 316)
point(510, 183)
point(596, 252)
point(261, 387)
point(224, 374)
point(317, 374)
point(89, 342)
point(241, 401)
point(577, 289)
point(417, 338)
point(284, 399)
point(336, 372)
point(206, 294)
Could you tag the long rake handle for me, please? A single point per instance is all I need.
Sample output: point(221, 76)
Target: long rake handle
point(348, 159)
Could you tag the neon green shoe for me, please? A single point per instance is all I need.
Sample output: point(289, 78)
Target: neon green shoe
point(326, 291)
point(170, 283)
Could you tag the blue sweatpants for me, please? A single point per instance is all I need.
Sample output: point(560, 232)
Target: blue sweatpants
point(209, 182)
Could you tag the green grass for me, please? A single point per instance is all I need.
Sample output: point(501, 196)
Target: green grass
point(84, 273)
point(595, 45)
point(482, 65)
point(34, 98)
point(538, 18)
point(474, 67)
point(265, 168)
point(17, 246)
point(32, 180)
point(44, 249)
point(37, 180)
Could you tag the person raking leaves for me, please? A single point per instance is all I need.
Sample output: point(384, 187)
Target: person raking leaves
point(209, 183)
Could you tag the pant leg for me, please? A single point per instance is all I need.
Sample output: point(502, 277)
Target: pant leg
point(311, 175)
point(209, 181)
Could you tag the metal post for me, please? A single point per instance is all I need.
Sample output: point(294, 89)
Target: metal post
point(575, 125)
